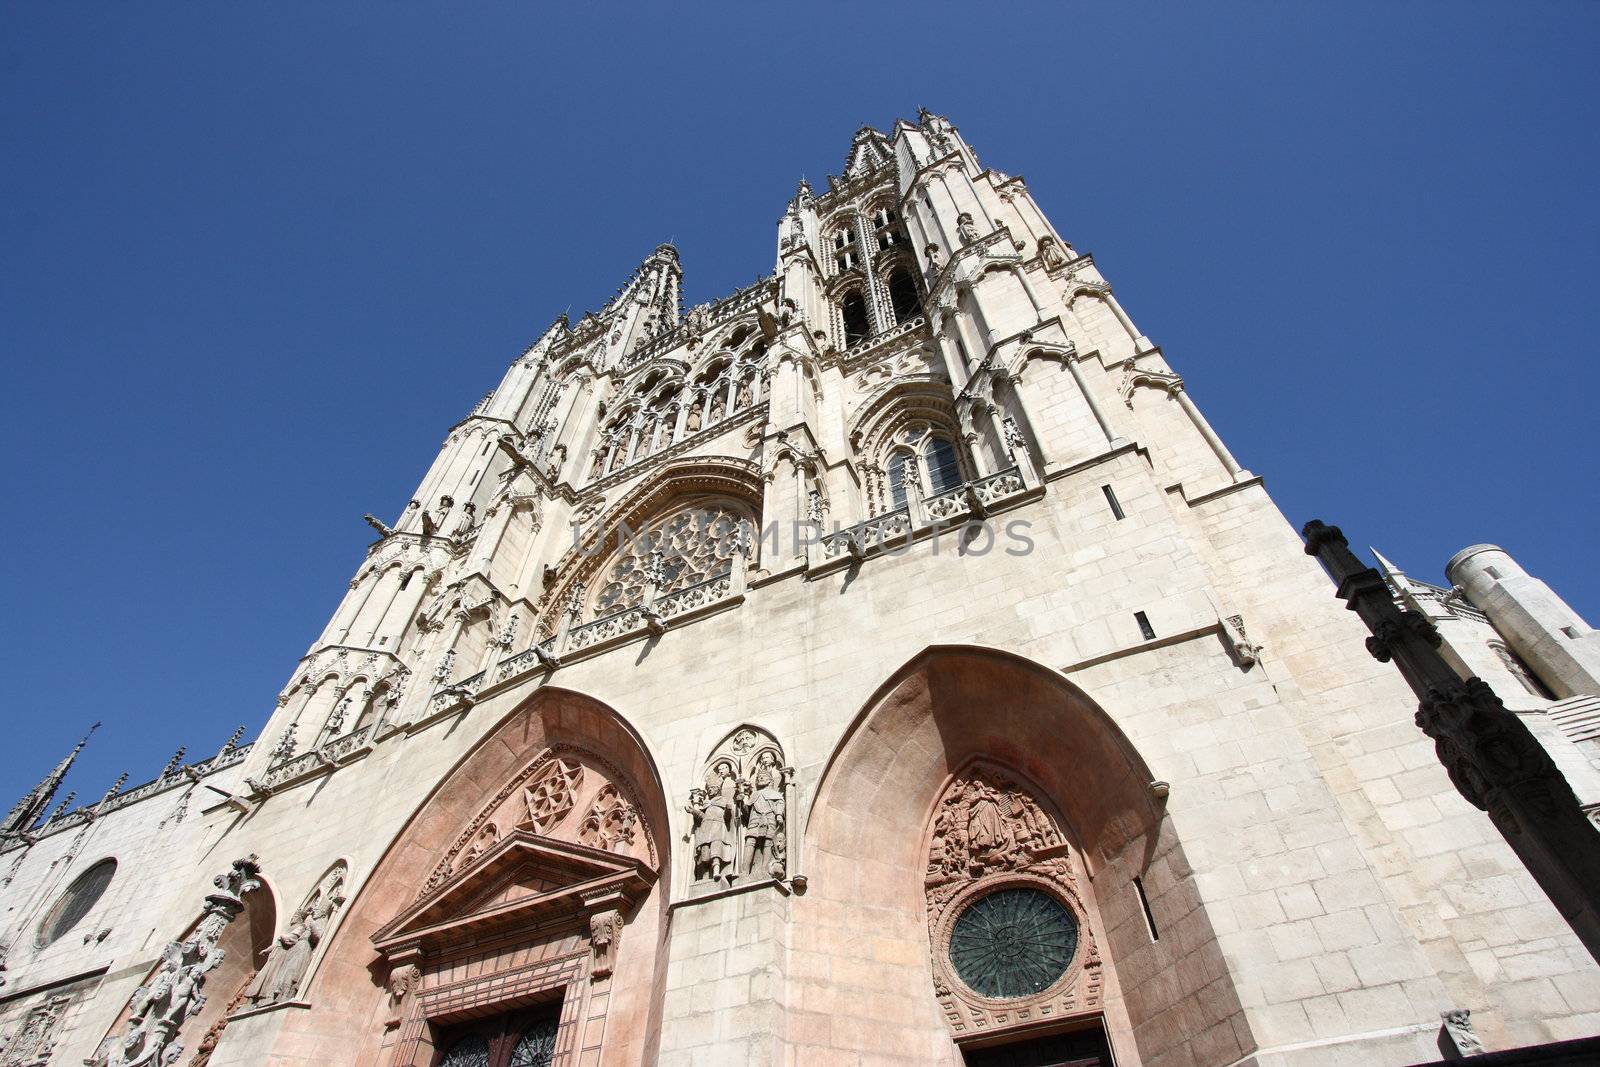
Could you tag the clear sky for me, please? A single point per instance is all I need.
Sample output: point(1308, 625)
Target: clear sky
point(255, 259)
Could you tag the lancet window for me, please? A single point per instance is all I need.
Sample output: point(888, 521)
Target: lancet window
point(855, 318)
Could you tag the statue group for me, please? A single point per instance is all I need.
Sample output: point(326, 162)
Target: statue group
point(739, 821)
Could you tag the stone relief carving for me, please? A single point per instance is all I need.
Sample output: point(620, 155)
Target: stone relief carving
point(605, 930)
point(991, 834)
point(543, 798)
point(548, 796)
point(402, 981)
point(35, 1039)
point(158, 1010)
point(1458, 1032)
point(609, 823)
point(280, 977)
point(740, 813)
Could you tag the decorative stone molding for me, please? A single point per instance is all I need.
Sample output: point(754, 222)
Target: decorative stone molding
point(993, 847)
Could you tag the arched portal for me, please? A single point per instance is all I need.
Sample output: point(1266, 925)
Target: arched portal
point(529, 886)
point(1056, 811)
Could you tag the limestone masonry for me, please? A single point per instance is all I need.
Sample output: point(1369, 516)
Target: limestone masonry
point(884, 664)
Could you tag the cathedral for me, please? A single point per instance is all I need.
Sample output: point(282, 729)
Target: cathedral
point(886, 663)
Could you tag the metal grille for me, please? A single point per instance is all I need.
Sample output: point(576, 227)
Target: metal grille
point(1013, 943)
point(537, 1046)
point(472, 1051)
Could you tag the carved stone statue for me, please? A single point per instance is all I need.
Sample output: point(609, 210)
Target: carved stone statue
point(158, 1010)
point(1050, 253)
point(280, 977)
point(761, 808)
point(932, 252)
point(966, 228)
point(713, 811)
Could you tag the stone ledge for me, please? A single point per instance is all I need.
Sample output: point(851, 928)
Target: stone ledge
point(266, 1009)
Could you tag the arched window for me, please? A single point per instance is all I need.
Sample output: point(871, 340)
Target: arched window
point(470, 1051)
point(903, 296)
point(844, 249)
point(944, 472)
point(857, 326)
point(886, 224)
point(83, 894)
point(696, 543)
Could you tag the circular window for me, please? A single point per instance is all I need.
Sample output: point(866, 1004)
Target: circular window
point(1013, 943)
point(76, 901)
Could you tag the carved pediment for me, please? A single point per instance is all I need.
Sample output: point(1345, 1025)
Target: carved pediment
point(567, 794)
point(525, 879)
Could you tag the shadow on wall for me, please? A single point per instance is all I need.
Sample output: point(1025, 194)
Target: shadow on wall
point(867, 842)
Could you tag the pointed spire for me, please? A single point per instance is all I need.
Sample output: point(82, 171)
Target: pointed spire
point(64, 807)
point(1394, 575)
point(27, 810)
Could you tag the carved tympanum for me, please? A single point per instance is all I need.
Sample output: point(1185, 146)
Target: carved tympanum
point(1010, 933)
point(565, 793)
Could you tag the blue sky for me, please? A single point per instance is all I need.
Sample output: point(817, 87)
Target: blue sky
point(255, 260)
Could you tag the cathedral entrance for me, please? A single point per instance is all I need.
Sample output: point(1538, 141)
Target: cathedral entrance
point(1080, 1048)
point(515, 1039)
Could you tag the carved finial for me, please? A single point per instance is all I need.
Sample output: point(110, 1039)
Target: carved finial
point(173, 763)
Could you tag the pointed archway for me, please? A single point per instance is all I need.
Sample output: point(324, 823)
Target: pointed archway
point(530, 880)
point(877, 858)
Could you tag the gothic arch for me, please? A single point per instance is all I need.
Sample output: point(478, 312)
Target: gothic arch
point(865, 849)
point(727, 477)
point(369, 993)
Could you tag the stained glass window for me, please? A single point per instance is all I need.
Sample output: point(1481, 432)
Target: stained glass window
point(537, 1046)
point(1013, 943)
point(696, 544)
point(471, 1051)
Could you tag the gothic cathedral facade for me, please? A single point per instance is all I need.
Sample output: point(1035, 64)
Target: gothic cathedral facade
point(884, 664)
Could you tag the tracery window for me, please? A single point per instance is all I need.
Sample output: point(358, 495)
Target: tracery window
point(504, 1041)
point(84, 893)
point(924, 457)
point(696, 544)
point(886, 224)
point(844, 249)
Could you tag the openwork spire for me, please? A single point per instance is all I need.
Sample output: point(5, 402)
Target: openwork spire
point(27, 810)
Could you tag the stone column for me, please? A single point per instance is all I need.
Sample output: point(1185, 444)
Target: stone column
point(1491, 756)
point(1229, 464)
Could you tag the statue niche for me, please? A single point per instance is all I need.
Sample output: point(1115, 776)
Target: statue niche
point(281, 976)
point(1007, 922)
point(740, 829)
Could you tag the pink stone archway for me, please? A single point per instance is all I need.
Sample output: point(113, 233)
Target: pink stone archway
point(864, 855)
point(351, 1017)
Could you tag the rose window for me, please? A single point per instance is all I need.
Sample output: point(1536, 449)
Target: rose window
point(696, 544)
point(1013, 943)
